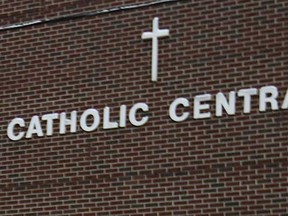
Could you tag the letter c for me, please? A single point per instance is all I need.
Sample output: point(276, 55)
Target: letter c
point(11, 126)
point(132, 114)
point(172, 110)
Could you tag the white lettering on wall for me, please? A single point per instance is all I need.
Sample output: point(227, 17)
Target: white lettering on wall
point(285, 102)
point(96, 120)
point(247, 94)
point(49, 125)
point(268, 95)
point(90, 119)
point(34, 128)
point(173, 107)
point(64, 121)
point(11, 127)
point(132, 114)
point(222, 103)
point(123, 116)
point(200, 106)
point(107, 124)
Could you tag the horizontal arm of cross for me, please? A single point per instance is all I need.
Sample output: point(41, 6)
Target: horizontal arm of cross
point(163, 33)
point(147, 35)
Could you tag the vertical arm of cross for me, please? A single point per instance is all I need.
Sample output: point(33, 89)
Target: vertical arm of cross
point(154, 35)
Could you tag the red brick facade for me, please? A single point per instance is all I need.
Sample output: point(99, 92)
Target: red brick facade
point(230, 165)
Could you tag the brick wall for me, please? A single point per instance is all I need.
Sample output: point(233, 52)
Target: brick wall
point(233, 165)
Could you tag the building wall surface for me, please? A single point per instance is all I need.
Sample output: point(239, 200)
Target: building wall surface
point(229, 165)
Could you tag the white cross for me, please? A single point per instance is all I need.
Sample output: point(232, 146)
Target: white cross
point(154, 35)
